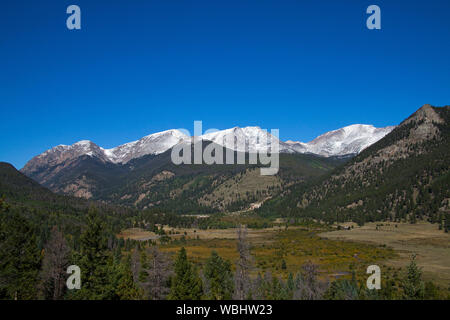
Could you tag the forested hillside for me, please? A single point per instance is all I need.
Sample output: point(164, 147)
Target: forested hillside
point(404, 176)
point(154, 181)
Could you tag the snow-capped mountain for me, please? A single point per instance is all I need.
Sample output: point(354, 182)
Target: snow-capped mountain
point(348, 140)
point(152, 144)
point(247, 139)
point(62, 153)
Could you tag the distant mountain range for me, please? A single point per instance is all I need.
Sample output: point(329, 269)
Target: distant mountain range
point(348, 140)
point(354, 173)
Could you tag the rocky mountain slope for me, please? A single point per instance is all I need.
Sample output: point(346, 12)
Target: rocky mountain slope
point(154, 181)
point(403, 176)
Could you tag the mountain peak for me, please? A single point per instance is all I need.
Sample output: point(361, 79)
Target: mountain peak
point(347, 140)
point(425, 113)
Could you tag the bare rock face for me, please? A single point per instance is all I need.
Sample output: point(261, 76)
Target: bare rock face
point(79, 188)
point(60, 157)
point(62, 153)
point(426, 113)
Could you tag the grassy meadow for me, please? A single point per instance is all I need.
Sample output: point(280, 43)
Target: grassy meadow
point(432, 246)
point(278, 249)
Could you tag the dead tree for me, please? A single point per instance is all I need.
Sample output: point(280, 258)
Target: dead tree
point(158, 274)
point(308, 286)
point(54, 265)
point(243, 266)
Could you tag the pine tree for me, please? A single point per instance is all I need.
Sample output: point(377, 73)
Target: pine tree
point(186, 284)
point(290, 286)
point(447, 223)
point(94, 264)
point(19, 256)
point(219, 278)
point(143, 266)
point(126, 288)
point(413, 286)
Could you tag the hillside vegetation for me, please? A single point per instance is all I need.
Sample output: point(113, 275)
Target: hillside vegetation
point(403, 177)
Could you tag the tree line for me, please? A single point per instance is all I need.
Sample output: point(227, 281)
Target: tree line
point(145, 272)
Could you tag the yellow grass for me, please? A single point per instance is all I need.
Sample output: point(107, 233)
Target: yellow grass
point(431, 245)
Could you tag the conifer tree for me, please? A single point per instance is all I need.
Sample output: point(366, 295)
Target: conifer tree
point(126, 288)
point(186, 284)
point(94, 264)
point(447, 223)
point(413, 286)
point(219, 278)
point(19, 257)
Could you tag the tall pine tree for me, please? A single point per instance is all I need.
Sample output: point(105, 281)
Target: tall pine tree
point(219, 278)
point(186, 284)
point(94, 262)
point(20, 258)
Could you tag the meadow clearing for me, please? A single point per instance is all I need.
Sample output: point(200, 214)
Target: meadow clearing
point(432, 246)
point(278, 249)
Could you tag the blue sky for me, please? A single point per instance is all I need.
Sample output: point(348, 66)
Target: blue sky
point(138, 67)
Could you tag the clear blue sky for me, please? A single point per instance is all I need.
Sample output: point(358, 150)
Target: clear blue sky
point(142, 66)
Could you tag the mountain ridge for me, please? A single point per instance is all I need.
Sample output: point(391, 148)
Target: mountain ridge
point(402, 177)
point(254, 139)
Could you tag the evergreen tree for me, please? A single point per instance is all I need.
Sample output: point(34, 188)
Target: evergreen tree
point(290, 286)
point(94, 264)
point(126, 288)
point(219, 278)
point(19, 256)
point(143, 266)
point(413, 286)
point(447, 223)
point(342, 289)
point(186, 284)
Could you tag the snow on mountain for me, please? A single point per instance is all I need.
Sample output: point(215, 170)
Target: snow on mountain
point(347, 140)
point(61, 153)
point(248, 139)
point(152, 144)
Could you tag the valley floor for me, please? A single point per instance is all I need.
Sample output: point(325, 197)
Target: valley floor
point(278, 250)
point(432, 246)
point(336, 252)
